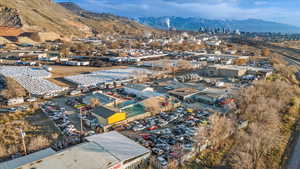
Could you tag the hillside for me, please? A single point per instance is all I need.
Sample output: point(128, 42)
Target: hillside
point(103, 22)
point(194, 24)
point(43, 16)
point(50, 18)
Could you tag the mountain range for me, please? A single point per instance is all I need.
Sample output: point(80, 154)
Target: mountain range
point(195, 23)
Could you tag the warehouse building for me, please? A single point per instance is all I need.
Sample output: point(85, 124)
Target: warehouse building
point(211, 95)
point(184, 93)
point(130, 154)
point(15, 163)
point(140, 90)
point(108, 116)
point(103, 151)
point(226, 70)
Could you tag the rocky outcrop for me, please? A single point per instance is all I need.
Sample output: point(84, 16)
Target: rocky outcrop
point(9, 17)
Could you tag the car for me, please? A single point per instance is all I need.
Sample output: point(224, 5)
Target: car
point(12, 110)
point(32, 99)
point(166, 131)
point(138, 128)
point(157, 151)
point(162, 123)
point(153, 128)
point(163, 146)
point(171, 141)
point(156, 132)
point(162, 161)
point(190, 123)
point(188, 147)
point(168, 88)
point(180, 109)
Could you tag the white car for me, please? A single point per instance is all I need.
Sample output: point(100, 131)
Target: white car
point(188, 147)
point(162, 161)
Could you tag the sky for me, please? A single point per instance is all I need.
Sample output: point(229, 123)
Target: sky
point(282, 11)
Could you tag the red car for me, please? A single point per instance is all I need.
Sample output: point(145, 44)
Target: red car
point(153, 128)
point(145, 136)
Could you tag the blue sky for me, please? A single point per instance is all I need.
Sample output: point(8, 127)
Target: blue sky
point(283, 11)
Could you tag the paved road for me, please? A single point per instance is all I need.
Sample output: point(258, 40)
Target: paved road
point(294, 159)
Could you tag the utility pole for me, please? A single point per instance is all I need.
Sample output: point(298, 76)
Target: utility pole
point(23, 134)
point(81, 123)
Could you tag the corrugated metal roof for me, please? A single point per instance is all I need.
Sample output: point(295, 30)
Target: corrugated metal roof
point(120, 146)
point(104, 111)
point(84, 156)
point(103, 151)
point(12, 164)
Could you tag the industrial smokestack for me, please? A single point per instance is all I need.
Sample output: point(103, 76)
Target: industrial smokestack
point(168, 23)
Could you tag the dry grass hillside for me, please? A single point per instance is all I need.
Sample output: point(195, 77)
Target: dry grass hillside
point(48, 16)
point(45, 15)
point(104, 23)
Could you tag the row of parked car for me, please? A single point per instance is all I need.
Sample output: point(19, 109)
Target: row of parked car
point(165, 131)
point(61, 120)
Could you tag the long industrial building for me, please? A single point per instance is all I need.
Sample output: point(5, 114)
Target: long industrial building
point(110, 150)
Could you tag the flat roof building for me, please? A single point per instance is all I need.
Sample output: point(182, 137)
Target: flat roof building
point(183, 93)
point(141, 90)
point(15, 163)
point(226, 70)
point(234, 70)
point(110, 150)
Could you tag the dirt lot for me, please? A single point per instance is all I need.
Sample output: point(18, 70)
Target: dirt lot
point(62, 71)
point(59, 72)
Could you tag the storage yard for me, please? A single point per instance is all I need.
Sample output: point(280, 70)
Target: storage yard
point(108, 76)
point(33, 80)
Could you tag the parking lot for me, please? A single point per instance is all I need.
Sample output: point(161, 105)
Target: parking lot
point(168, 134)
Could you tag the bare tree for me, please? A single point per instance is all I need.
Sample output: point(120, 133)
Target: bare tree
point(3, 151)
point(141, 76)
point(153, 105)
point(167, 65)
point(95, 102)
point(35, 106)
point(37, 143)
point(253, 145)
point(220, 129)
point(184, 64)
point(265, 52)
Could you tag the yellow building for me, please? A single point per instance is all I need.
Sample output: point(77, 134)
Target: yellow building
point(107, 116)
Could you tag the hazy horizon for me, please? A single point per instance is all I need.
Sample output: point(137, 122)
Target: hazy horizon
point(269, 10)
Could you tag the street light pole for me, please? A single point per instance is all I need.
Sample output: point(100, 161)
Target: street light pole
point(23, 140)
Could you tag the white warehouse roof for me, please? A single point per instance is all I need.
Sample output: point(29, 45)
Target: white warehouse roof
point(15, 163)
point(120, 146)
point(83, 156)
point(102, 151)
